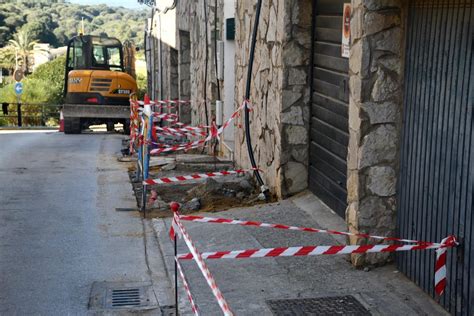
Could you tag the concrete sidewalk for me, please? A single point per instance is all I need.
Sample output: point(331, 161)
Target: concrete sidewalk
point(248, 284)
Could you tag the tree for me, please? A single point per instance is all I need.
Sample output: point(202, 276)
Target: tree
point(38, 31)
point(7, 58)
point(4, 35)
point(55, 22)
point(13, 21)
point(53, 73)
point(23, 46)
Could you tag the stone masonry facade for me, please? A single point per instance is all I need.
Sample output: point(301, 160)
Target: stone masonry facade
point(376, 77)
point(279, 91)
point(178, 53)
point(280, 96)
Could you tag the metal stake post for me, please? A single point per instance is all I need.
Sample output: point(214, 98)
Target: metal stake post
point(175, 209)
point(176, 274)
point(43, 123)
point(144, 200)
point(18, 110)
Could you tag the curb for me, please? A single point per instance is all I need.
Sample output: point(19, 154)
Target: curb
point(161, 229)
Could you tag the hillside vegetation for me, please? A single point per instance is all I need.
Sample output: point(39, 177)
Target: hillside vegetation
point(55, 21)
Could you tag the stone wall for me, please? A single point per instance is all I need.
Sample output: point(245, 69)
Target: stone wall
point(280, 82)
point(279, 91)
point(184, 74)
point(376, 64)
point(192, 22)
point(179, 35)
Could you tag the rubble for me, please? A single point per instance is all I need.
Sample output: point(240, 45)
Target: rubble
point(191, 206)
point(212, 194)
point(169, 166)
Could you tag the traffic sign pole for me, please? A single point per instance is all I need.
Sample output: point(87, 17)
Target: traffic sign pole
point(18, 91)
point(18, 109)
point(18, 75)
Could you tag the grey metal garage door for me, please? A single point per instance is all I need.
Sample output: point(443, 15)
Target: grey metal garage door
point(330, 97)
point(437, 159)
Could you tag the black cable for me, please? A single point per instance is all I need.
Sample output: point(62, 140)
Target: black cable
point(247, 97)
point(150, 55)
point(175, 2)
point(206, 62)
point(215, 51)
point(161, 62)
point(217, 76)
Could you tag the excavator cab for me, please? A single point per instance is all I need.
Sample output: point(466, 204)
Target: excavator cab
point(97, 83)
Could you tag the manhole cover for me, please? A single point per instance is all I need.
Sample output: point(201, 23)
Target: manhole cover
point(336, 305)
point(122, 296)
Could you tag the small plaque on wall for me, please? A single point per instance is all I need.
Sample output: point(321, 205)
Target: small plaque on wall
point(346, 30)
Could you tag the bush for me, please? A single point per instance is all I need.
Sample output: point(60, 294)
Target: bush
point(142, 84)
point(52, 73)
point(45, 85)
point(3, 121)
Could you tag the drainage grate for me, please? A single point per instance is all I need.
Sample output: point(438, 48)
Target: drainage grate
point(126, 297)
point(122, 296)
point(336, 305)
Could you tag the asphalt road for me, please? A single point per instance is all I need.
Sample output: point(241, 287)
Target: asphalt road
point(59, 230)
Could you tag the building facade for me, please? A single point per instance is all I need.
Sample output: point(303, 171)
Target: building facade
point(379, 127)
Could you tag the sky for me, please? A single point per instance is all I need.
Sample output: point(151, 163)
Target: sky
point(133, 4)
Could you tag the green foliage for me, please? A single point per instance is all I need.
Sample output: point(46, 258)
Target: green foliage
point(7, 58)
point(45, 85)
point(54, 22)
point(3, 121)
point(142, 84)
point(52, 73)
point(40, 32)
point(23, 44)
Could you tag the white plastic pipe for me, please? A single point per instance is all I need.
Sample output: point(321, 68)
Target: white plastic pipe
point(219, 113)
point(220, 60)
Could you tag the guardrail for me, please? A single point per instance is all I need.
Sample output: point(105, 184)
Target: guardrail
point(29, 114)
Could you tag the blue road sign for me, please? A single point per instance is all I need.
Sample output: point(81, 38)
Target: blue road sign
point(18, 88)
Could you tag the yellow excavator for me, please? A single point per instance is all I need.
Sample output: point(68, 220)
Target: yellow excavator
point(100, 76)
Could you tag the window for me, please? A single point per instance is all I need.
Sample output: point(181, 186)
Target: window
point(98, 56)
point(76, 56)
point(114, 60)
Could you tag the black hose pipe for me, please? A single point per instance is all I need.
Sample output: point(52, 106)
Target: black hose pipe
point(215, 51)
point(263, 188)
point(206, 62)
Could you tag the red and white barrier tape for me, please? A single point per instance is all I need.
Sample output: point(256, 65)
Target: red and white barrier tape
point(194, 176)
point(310, 251)
point(170, 132)
point(203, 267)
point(187, 289)
point(189, 146)
point(164, 145)
point(184, 129)
point(214, 133)
point(161, 102)
point(165, 116)
point(440, 264)
point(441, 248)
point(170, 120)
point(227, 221)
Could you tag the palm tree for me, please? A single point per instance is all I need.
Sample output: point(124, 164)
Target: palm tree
point(23, 45)
point(7, 58)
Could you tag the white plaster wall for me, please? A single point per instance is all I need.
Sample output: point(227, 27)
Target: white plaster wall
point(169, 29)
point(229, 74)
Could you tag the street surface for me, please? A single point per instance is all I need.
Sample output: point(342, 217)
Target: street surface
point(59, 230)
